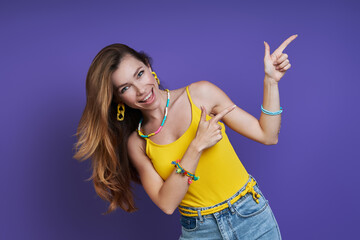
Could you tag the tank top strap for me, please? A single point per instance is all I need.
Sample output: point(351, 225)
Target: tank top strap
point(188, 94)
point(196, 111)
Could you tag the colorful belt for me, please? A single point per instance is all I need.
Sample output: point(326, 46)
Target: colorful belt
point(248, 189)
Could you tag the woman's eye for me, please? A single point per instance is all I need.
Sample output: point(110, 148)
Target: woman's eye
point(124, 89)
point(140, 73)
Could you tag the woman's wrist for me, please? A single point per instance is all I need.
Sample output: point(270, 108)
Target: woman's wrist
point(196, 146)
point(270, 81)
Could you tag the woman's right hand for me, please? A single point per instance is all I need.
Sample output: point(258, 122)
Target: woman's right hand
point(209, 132)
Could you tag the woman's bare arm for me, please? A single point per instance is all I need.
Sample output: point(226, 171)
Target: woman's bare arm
point(238, 120)
point(266, 129)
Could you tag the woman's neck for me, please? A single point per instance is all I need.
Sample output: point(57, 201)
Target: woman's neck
point(156, 115)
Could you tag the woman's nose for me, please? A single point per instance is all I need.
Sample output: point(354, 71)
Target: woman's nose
point(140, 89)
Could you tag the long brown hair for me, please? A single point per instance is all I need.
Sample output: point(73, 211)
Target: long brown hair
point(104, 139)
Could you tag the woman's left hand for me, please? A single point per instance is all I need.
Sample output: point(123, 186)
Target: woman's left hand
point(277, 63)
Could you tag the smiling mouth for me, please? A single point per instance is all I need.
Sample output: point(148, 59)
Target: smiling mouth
point(148, 97)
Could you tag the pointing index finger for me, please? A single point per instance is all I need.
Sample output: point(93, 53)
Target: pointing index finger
point(281, 48)
point(223, 113)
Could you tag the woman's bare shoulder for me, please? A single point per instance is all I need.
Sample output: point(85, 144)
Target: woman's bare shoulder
point(204, 93)
point(136, 145)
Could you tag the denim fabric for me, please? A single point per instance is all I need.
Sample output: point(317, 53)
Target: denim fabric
point(245, 219)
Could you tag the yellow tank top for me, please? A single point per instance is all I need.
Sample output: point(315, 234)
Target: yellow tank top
point(220, 170)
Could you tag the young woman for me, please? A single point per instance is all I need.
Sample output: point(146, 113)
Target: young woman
point(173, 143)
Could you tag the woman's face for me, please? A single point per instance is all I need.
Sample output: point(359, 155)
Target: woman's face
point(135, 85)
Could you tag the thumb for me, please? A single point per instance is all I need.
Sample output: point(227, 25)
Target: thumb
point(203, 114)
point(267, 49)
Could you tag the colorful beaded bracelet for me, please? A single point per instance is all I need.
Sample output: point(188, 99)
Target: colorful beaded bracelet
point(181, 170)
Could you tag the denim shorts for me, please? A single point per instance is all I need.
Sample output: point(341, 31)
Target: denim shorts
point(244, 219)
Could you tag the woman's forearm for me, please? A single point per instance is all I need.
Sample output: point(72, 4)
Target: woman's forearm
point(271, 102)
point(176, 185)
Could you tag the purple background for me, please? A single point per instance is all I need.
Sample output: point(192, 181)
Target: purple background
point(310, 177)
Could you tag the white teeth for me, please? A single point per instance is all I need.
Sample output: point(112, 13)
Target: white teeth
point(147, 96)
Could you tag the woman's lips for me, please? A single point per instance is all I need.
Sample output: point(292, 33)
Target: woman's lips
point(150, 99)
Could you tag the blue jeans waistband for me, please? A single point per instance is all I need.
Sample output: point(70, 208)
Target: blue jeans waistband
point(228, 201)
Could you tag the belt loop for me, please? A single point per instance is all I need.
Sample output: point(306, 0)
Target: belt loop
point(230, 206)
point(200, 217)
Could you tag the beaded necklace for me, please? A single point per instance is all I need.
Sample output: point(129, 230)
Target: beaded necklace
point(162, 123)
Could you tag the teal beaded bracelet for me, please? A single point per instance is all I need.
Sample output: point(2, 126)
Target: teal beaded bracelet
point(181, 170)
point(271, 113)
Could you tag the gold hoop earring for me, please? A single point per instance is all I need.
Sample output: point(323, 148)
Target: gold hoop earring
point(155, 76)
point(120, 112)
